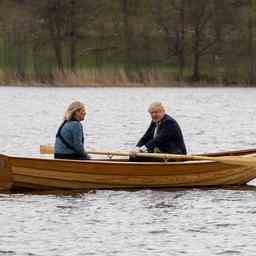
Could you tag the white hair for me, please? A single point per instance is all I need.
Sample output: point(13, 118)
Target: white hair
point(156, 105)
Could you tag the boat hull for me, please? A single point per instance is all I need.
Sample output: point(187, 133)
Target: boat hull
point(5, 174)
point(41, 174)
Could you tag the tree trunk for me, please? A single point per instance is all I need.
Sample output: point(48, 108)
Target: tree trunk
point(196, 74)
point(181, 57)
point(72, 37)
point(126, 32)
point(58, 53)
point(56, 39)
point(250, 45)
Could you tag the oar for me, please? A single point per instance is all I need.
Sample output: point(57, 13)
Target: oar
point(233, 160)
point(48, 149)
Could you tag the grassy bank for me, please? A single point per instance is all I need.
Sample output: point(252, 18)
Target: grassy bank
point(161, 77)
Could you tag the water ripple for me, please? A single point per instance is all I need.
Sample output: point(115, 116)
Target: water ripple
point(149, 222)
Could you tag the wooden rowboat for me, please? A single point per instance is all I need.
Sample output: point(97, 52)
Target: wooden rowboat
point(45, 174)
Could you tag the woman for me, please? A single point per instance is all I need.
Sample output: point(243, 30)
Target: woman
point(69, 143)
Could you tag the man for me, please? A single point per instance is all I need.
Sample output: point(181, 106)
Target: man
point(163, 135)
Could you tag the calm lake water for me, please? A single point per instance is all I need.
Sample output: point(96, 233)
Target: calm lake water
point(147, 222)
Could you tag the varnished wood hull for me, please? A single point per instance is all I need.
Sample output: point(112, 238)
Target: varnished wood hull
point(5, 175)
point(35, 173)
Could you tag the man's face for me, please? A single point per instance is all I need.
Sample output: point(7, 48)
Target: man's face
point(157, 114)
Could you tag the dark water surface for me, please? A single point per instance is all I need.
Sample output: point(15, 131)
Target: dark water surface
point(148, 222)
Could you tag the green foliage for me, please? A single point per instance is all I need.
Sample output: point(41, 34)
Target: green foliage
point(210, 40)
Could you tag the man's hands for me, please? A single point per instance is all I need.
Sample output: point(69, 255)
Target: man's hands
point(137, 150)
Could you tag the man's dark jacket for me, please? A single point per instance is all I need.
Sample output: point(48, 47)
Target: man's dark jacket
point(169, 138)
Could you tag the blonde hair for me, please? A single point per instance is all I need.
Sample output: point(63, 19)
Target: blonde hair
point(156, 105)
point(72, 108)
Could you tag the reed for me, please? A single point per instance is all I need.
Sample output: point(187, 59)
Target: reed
point(112, 77)
point(109, 76)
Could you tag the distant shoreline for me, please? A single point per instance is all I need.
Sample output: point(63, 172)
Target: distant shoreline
point(171, 85)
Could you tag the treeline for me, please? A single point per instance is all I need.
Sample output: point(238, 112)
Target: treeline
point(127, 41)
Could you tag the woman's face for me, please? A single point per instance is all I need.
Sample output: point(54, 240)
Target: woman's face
point(80, 114)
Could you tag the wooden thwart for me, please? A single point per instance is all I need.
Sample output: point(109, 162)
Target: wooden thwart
point(249, 161)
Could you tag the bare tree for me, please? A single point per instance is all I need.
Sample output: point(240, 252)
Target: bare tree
point(170, 17)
